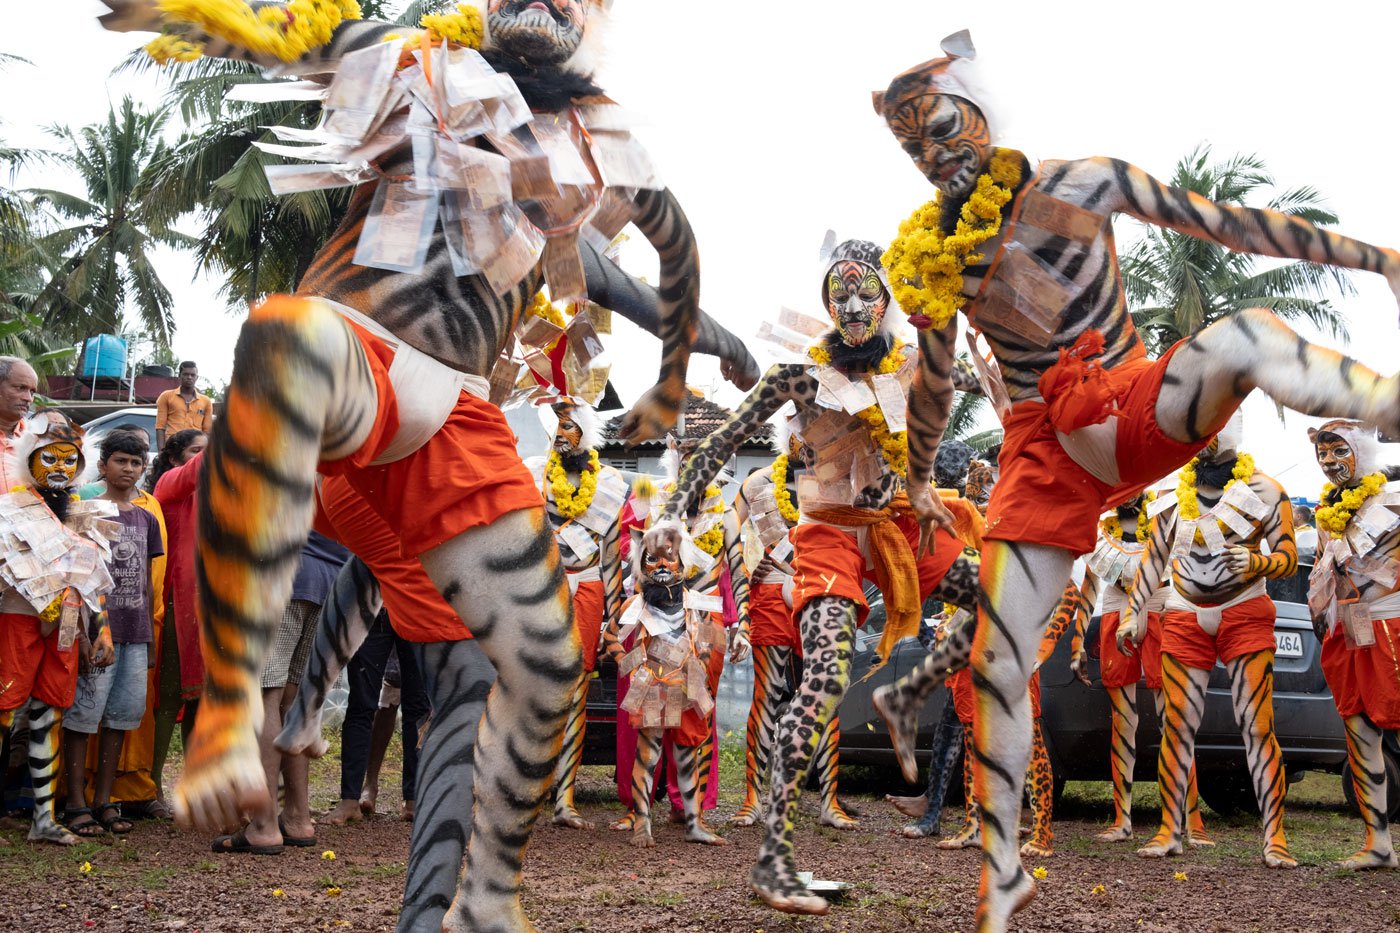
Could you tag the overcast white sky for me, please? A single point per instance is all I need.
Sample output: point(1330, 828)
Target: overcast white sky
point(760, 121)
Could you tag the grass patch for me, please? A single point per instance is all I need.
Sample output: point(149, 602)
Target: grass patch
point(158, 879)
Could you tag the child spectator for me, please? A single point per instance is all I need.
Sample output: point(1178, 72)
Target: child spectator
point(113, 697)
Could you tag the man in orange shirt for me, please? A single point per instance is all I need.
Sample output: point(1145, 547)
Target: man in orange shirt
point(185, 407)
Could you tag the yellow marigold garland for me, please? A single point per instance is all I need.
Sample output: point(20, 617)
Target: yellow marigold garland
point(464, 27)
point(925, 267)
point(894, 445)
point(781, 493)
point(712, 541)
point(1334, 518)
point(1188, 506)
point(1113, 528)
point(571, 502)
point(286, 33)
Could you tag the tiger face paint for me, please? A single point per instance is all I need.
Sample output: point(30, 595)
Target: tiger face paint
point(568, 436)
point(661, 567)
point(55, 466)
point(1336, 458)
point(856, 299)
point(1346, 450)
point(538, 31)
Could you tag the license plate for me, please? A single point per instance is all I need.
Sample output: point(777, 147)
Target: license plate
point(1288, 644)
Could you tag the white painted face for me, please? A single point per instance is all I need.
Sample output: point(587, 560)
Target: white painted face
point(541, 32)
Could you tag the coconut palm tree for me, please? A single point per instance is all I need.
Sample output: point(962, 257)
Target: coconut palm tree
point(1177, 284)
point(104, 238)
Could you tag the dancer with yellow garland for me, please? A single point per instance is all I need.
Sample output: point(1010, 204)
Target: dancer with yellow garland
point(767, 511)
point(1354, 597)
point(855, 524)
point(1207, 543)
point(1112, 565)
point(584, 500)
point(1027, 250)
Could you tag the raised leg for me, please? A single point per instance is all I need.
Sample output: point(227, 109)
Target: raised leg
point(346, 618)
point(828, 626)
point(1367, 760)
point(770, 664)
point(1211, 374)
point(1122, 758)
point(643, 783)
point(828, 765)
point(505, 581)
point(565, 814)
point(1040, 783)
point(1022, 584)
point(947, 742)
point(457, 676)
point(971, 833)
point(44, 734)
point(1252, 692)
point(302, 392)
point(1183, 702)
point(365, 678)
point(691, 779)
point(1196, 836)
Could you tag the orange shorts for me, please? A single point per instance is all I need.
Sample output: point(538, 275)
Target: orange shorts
point(771, 622)
point(1119, 670)
point(1366, 680)
point(965, 702)
point(1244, 629)
point(829, 563)
point(468, 474)
point(1044, 497)
point(32, 665)
point(416, 609)
point(588, 620)
point(694, 728)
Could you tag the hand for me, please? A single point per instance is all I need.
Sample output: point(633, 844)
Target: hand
point(652, 416)
point(1130, 633)
point(738, 644)
point(765, 566)
point(1079, 665)
point(743, 379)
point(931, 513)
point(664, 538)
point(1237, 559)
point(103, 654)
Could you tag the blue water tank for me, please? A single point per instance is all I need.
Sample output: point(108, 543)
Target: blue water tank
point(104, 357)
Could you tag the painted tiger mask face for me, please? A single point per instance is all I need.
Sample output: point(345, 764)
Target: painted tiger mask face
point(856, 299)
point(568, 436)
point(946, 134)
point(655, 568)
point(1335, 457)
point(55, 466)
point(541, 32)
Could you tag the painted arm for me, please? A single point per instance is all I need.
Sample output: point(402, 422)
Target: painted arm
point(1084, 607)
point(930, 400)
point(1282, 559)
point(1132, 624)
point(1060, 621)
point(738, 585)
point(660, 218)
point(637, 301)
point(965, 377)
point(1244, 229)
point(610, 566)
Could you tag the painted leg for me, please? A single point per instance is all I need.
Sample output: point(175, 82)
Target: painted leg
point(828, 765)
point(899, 703)
point(1183, 702)
point(704, 767)
point(1196, 836)
point(1367, 760)
point(1122, 758)
point(770, 664)
point(506, 582)
point(947, 741)
point(1252, 691)
point(643, 783)
point(570, 757)
point(44, 735)
point(346, 618)
point(828, 626)
point(1040, 783)
point(457, 676)
point(301, 392)
point(970, 836)
point(691, 778)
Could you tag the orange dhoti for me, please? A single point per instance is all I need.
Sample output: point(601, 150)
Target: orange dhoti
point(1245, 628)
point(771, 620)
point(1365, 680)
point(588, 614)
point(1117, 669)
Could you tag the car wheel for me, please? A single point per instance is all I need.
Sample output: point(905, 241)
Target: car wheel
point(1228, 792)
point(1392, 782)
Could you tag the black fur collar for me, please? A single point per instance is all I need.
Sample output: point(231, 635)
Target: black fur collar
point(547, 87)
point(667, 599)
point(575, 462)
point(58, 500)
point(1214, 475)
point(863, 358)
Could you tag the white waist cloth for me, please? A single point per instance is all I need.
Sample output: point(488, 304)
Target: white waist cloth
point(1209, 616)
point(426, 390)
point(1115, 600)
point(773, 576)
point(586, 575)
point(1387, 607)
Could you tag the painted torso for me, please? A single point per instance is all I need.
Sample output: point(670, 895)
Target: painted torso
point(1202, 576)
point(1363, 563)
point(580, 538)
point(765, 528)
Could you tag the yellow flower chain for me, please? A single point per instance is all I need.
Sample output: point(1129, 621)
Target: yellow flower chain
point(894, 445)
point(1113, 528)
point(286, 33)
point(1334, 518)
point(571, 502)
point(925, 266)
point(1188, 506)
point(464, 27)
point(781, 493)
point(712, 541)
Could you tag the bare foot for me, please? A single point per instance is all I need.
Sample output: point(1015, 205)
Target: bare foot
point(1038, 848)
point(1276, 856)
point(747, 816)
point(919, 830)
point(223, 771)
point(46, 829)
point(641, 836)
point(301, 735)
point(969, 837)
point(996, 909)
point(1161, 846)
point(914, 807)
point(703, 834)
point(1198, 839)
point(902, 721)
point(568, 816)
point(625, 824)
point(1119, 833)
point(789, 895)
point(1367, 859)
point(368, 796)
point(346, 811)
point(837, 818)
point(677, 816)
point(406, 811)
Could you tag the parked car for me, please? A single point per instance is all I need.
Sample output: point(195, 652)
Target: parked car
point(1076, 718)
point(98, 428)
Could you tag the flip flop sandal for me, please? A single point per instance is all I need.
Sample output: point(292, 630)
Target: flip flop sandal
point(91, 828)
point(110, 816)
point(238, 843)
point(299, 842)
